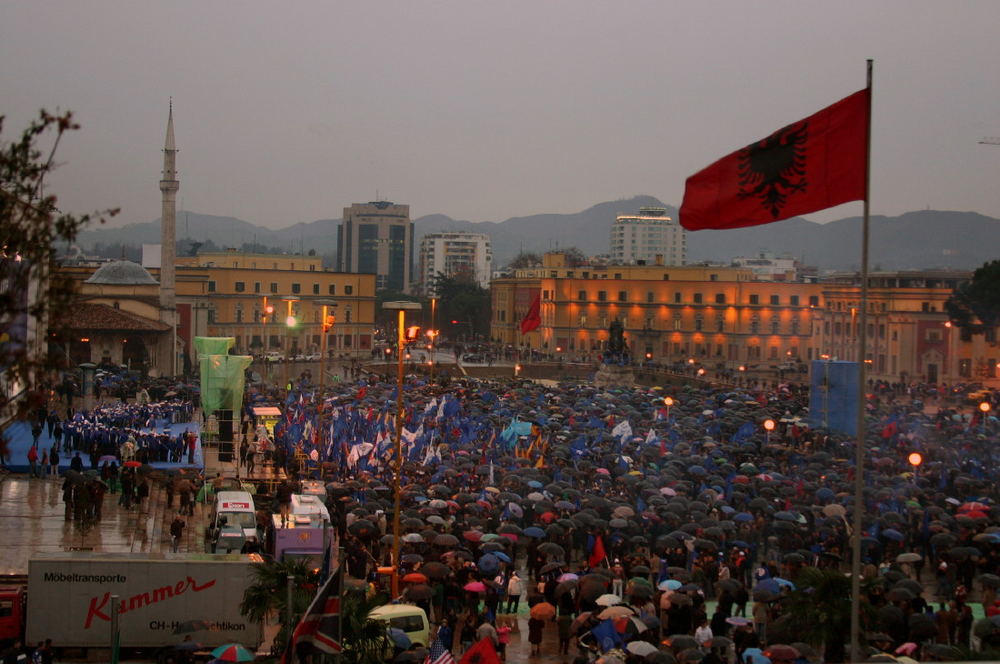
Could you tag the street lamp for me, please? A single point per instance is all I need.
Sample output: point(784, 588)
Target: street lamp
point(327, 321)
point(402, 308)
point(668, 402)
point(769, 427)
point(984, 408)
point(290, 323)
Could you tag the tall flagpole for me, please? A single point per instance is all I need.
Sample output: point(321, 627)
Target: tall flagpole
point(859, 448)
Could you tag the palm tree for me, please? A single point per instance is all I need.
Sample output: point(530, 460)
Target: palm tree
point(818, 611)
point(267, 596)
point(365, 639)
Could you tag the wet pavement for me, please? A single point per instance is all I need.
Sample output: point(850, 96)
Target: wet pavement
point(33, 516)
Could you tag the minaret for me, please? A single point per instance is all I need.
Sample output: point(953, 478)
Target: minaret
point(168, 239)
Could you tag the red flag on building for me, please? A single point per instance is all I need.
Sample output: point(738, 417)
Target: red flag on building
point(810, 165)
point(598, 553)
point(483, 652)
point(533, 318)
point(320, 625)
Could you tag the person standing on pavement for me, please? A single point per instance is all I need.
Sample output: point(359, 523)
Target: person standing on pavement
point(514, 588)
point(33, 460)
point(176, 532)
point(54, 461)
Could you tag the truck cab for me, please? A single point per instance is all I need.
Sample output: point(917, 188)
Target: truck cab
point(232, 524)
point(12, 605)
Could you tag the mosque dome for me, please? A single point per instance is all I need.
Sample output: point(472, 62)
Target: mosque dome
point(122, 273)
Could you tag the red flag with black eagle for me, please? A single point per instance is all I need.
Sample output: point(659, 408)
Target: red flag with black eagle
point(810, 165)
point(533, 319)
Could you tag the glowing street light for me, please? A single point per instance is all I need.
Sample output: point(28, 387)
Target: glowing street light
point(769, 427)
point(403, 335)
point(668, 402)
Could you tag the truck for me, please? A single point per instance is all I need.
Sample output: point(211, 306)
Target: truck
point(160, 595)
point(305, 536)
point(232, 524)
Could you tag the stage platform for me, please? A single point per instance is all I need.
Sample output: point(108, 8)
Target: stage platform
point(19, 440)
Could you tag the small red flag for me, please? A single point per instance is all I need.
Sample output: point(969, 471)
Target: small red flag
point(810, 165)
point(598, 554)
point(483, 652)
point(533, 318)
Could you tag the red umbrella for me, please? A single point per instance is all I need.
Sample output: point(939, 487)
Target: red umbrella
point(475, 587)
point(132, 464)
point(415, 577)
point(472, 535)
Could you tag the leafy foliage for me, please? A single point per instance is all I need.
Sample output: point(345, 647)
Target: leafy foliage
point(461, 299)
point(267, 595)
point(975, 305)
point(365, 639)
point(30, 225)
point(525, 259)
point(818, 611)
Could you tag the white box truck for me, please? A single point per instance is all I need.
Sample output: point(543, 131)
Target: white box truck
point(69, 598)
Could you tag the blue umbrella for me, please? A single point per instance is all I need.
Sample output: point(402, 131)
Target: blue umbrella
point(785, 583)
point(893, 535)
point(500, 555)
point(770, 586)
point(489, 564)
point(743, 517)
point(755, 656)
point(399, 638)
point(533, 531)
point(515, 509)
point(669, 584)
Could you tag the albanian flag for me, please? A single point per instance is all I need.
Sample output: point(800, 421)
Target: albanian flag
point(810, 165)
point(533, 319)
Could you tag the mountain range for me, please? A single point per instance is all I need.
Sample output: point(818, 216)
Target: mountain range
point(911, 241)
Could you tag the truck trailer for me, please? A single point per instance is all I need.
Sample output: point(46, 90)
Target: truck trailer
point(159, 596)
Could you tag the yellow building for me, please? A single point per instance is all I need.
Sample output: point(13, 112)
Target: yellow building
point(717, 316)
point(721, 317)
point(225, 294)
point(909, 334)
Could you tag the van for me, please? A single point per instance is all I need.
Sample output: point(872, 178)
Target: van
point(405, 617)
point(232, 524)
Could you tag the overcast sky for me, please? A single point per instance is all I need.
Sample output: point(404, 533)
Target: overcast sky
point(287, 112)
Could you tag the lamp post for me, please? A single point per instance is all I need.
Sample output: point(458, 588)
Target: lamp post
point(265, 314)
point(668, 402)
point(290, 322)
point(432, 333)
point(327, 321)
point(984, 408)
point(768, 427)
point(402, 308)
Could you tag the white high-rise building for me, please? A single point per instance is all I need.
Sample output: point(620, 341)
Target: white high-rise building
point(451, 253)
point(648, 237)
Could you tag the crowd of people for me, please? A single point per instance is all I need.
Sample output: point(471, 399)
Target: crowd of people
point(694, 518)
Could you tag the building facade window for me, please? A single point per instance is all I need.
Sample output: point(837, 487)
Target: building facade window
point(754, 299)
point(274, 287)
point(240, 286)
point(296, 289)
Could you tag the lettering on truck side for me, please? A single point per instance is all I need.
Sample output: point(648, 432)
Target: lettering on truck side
point(98, 604)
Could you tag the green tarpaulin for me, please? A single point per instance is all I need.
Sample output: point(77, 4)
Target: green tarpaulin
point(222, 375)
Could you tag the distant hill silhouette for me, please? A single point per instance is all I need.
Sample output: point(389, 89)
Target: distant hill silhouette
point(911, 241)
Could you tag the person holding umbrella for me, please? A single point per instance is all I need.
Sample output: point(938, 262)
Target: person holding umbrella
point(514, 589)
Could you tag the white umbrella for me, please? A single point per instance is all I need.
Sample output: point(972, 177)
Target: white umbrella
point(608, 599)
point(641, 648)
